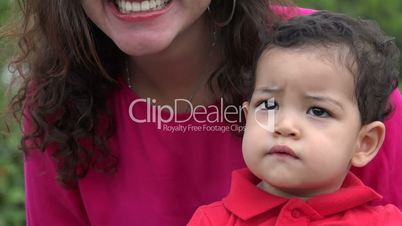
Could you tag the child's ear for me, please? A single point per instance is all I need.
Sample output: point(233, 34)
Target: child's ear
point(370, 139)
point(245, 108)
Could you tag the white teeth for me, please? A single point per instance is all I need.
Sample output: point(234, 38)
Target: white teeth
point(145, 6)
point(128, 6)
point(152, 4)
point(136, 6)
point(149, 5)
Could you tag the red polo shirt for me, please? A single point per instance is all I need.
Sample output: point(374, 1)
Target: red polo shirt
point(246, 204)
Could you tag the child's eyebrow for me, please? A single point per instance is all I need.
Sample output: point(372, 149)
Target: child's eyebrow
point(324, 99)
point(268, 90)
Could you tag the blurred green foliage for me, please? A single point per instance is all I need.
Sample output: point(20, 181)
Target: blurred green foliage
point(387, 13)
point(11, 168)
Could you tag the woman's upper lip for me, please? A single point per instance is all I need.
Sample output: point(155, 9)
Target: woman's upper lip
point(282, 149)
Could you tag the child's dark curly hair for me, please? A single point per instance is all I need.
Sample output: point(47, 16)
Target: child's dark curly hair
point(371, 56)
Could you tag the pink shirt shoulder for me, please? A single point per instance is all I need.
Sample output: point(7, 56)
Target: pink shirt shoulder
point(165, 171)
point(289, 12)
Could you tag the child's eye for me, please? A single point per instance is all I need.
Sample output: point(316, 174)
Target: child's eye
point(268, 105)
point(319, 112)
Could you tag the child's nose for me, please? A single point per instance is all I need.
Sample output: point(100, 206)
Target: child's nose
point(287, 126)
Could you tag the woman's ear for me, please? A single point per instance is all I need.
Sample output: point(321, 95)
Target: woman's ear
point(370, 139)
point(245, 108)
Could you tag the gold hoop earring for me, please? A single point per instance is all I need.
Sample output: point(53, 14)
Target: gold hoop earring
point(227, 21)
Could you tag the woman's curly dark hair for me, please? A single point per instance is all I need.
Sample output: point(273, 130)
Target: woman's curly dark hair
point(69, 70)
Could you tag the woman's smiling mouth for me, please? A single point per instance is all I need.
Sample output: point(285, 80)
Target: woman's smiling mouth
point(130, 6)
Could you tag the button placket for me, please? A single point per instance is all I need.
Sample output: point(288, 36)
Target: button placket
point(293, 213)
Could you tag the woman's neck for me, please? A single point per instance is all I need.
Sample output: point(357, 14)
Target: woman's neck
point(179, 72)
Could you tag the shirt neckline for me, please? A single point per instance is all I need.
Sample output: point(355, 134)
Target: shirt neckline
point(246, 200)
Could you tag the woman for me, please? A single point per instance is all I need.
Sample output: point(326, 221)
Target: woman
point(120, 158)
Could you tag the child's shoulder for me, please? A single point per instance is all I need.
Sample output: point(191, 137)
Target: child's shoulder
point(390, 213)
point(379, 215)
point(213, 213)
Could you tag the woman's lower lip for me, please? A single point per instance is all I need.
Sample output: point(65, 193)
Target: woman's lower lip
point(140, 16)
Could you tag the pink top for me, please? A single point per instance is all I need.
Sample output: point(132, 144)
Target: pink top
point(164, 176)
point(161, 179)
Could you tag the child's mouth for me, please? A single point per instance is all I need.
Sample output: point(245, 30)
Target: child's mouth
point(131, 6)
point(282, 150)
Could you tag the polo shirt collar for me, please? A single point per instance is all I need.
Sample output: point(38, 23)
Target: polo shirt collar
point(246, 200)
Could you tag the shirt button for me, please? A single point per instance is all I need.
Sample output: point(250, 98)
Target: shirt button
point(296, 213)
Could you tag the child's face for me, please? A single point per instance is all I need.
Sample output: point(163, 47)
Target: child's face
point(316, 122)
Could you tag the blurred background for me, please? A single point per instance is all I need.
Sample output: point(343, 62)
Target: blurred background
point(387, 13)
point(11, 169)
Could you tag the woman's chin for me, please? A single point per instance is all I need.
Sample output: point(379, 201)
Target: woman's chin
point(142, 47)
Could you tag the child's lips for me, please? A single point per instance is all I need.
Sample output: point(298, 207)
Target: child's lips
point(282, 150)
